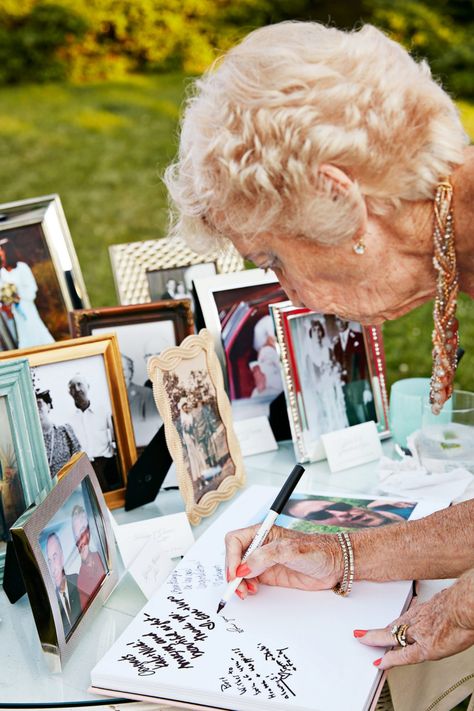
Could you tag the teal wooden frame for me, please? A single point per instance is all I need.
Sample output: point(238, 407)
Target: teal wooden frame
point(17, 387)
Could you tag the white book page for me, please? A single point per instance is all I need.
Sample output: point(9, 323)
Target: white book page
point(282, 648)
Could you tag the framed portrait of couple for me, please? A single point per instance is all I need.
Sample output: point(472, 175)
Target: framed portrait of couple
point(40, 277)
point(333, 374)
point(81, 400)
point(66, 552)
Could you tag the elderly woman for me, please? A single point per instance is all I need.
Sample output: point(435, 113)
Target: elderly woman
point(337, 161)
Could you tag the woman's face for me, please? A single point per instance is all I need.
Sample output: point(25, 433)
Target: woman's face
point(332, 279)
point(43, 409)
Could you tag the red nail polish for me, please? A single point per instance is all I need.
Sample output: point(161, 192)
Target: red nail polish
point(242, 570)
point(360, 633)
point(377, 662)
point(227, 575)
point(251, 587)
point(240, 594)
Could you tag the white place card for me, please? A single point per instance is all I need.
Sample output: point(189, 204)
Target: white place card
point(255, 435)
point(352, 446)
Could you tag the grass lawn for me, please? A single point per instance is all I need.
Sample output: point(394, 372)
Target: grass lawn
point(102, 147)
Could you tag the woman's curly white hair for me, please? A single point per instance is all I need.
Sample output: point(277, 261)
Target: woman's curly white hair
point(295, 95)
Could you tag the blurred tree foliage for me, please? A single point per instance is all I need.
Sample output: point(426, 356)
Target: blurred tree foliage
point(86, 40)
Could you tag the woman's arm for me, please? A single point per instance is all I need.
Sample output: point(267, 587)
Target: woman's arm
point(438, 546)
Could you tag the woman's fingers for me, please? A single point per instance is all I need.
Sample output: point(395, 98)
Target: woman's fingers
point(236, 543)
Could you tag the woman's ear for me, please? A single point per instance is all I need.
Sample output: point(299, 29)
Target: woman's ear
point(342, 184)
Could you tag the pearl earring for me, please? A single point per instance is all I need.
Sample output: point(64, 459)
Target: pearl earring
point(359, 246)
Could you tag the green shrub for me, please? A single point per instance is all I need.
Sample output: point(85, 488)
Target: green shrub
point(29, 44)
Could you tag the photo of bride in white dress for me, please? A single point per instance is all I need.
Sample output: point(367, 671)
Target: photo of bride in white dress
point(17, 279)
point(323, 396)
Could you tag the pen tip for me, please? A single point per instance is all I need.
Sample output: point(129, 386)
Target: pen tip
point(220, 606)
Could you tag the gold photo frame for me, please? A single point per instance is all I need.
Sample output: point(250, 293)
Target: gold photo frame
point(189, 391)
point(91, 366)
point(133, 261)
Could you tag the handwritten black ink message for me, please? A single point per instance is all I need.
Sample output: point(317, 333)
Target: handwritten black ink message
point(267, 673)
point(174, 641)
point(195, 576)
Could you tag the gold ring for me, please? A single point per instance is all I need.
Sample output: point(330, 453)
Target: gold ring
point(400, 634)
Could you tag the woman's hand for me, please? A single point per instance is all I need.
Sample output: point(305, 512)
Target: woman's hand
point(288, 559)
point(438, 628)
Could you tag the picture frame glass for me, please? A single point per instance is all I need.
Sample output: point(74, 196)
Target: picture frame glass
point(12, 497)
point(249, 343)
point(73, 545)
point(195, 415)
point(80, 416)
point(137, 343)
point(33, 309)
point(177, 282)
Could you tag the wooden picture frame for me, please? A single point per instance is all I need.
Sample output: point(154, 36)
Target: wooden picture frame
point(142, 330)
point(43, 280)
point(96, 361)
point(132, 261)
point(189, 392)
point(331, 381)
point(66, 542)
point(24, 470)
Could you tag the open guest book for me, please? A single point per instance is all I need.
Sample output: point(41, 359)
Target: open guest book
point(280, 649)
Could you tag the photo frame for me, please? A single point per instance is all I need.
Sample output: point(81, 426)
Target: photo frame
point(40, 276)
point(81, 381)
point(189, 392)
point(334, 375)
point(66, 553)
point(142, 330)
point(24, 470)
point(235, 309)
point(132, 262)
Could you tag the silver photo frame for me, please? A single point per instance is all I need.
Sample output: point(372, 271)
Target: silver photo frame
point(132, 262)
point(40, 276)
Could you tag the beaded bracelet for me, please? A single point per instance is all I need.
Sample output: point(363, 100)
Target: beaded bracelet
point(344, 587)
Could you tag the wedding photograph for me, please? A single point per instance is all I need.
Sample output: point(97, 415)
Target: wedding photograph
point(40, 278)
point(331, 368)
point(189, 390)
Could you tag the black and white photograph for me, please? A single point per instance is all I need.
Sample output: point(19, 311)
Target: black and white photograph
point(177, 283)
point(332, 371)
point(195, 415)
point(76, 415)
point(73, 546)
point(137, 343)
